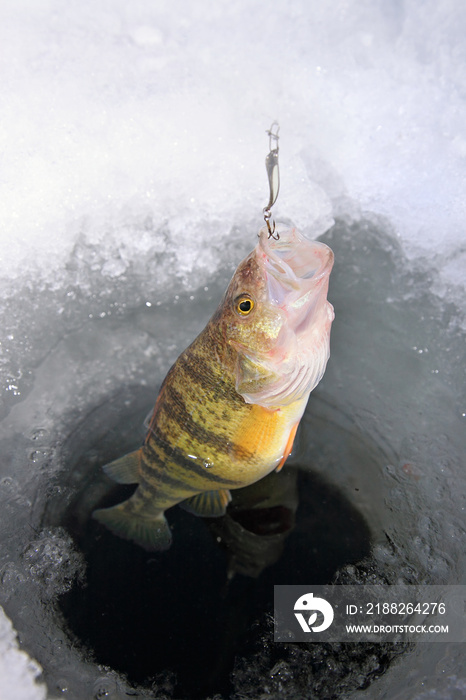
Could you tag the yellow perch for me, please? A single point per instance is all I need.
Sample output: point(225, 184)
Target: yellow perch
point(229, 408)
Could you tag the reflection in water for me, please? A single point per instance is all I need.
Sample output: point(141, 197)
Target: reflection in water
point(185, 611)
point(258, 521)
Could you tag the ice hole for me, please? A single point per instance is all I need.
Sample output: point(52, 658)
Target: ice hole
point(380, 489)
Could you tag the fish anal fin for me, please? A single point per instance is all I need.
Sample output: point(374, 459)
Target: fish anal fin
point(289, 446)
point(208, 504)
point(125, 470)
point(151, 533)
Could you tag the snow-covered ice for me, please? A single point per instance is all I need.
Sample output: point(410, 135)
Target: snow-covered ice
point(18, 673)
point(113, 115)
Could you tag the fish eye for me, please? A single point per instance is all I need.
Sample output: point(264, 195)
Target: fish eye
point(244, 305)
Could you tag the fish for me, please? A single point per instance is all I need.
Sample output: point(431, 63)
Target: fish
point(229, 408)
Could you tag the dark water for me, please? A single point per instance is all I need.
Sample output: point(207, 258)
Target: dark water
point(143, 614)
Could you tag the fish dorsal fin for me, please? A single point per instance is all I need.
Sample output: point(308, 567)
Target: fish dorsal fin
point(125, 470)
point(209, 504)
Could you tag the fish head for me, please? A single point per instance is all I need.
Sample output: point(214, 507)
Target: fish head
point(277, 318)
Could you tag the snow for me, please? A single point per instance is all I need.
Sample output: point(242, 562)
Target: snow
point(18, 673)
point(113, 114)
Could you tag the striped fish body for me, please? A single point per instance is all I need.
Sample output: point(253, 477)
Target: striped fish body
point(203, 436)
point(224, 417)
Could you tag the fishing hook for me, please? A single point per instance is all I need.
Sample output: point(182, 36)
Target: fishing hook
point(273, 173)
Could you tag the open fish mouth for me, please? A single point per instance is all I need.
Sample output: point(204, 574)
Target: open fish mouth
point(293, 259)
point(297, 271)
point(296, 276)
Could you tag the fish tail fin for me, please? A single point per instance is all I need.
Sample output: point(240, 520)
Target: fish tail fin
point(125, 470)
point(151, 533)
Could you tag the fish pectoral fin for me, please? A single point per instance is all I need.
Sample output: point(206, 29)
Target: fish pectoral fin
point(125, 470)
point(252, 377)
point(208, 504)
point(151, 533)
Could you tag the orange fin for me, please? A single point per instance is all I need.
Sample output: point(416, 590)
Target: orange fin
point(289, 446)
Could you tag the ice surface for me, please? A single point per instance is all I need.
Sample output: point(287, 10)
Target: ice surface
point(137, 131)
point(385, 427)
point(132, 181)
